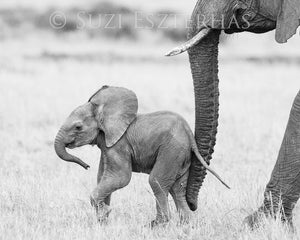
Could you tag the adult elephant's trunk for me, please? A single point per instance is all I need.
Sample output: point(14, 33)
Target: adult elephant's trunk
point(60, 149)
point(204, 66)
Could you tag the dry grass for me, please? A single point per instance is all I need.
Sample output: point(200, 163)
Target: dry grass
point(42, 197)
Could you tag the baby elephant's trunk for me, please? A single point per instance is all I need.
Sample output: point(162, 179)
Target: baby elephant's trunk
point(60, 149)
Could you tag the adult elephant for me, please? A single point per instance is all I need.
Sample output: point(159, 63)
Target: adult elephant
point(258, 16)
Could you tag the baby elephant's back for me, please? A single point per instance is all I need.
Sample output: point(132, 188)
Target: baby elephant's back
point(150, 131)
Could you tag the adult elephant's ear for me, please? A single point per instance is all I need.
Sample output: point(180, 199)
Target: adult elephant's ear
point(288, 20)
point(115, 109)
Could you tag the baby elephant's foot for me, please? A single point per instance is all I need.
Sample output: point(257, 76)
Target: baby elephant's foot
point(103, 214)
point(161, 222)
point(102, 211)
point(184, 219)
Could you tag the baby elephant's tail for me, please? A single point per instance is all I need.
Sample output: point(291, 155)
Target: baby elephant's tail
point(200, 158)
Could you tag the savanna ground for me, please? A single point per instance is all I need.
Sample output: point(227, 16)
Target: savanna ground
point(43, 77)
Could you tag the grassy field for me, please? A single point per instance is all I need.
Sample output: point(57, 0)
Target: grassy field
point(42, 81)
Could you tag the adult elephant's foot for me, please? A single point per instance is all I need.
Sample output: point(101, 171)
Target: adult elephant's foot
point(256, 219)
point(283, 190)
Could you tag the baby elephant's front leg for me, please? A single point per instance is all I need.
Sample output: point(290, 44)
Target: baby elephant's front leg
point(110, 182)
point(114, 173)
point(102, 210)
point(98, 196)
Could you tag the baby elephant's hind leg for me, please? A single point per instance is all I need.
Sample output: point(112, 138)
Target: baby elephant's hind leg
point(178, 192)
point(161, 179)
point(161, 195)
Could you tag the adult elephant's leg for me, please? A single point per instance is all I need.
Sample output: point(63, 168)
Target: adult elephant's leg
point(283, 189)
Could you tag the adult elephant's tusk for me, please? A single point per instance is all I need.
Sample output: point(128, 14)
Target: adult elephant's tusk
point(189, 44)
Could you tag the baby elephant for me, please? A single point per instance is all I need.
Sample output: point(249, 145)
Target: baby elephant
point(160, 144)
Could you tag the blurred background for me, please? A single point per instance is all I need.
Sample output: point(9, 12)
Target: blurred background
point(55, 54)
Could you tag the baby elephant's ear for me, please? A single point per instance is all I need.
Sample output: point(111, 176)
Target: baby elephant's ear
point(288, 20)
point(116, 108)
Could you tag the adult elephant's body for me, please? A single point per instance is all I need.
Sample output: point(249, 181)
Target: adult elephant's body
point(258, 16)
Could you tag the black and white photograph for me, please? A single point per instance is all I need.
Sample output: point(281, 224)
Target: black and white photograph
point(153, 120)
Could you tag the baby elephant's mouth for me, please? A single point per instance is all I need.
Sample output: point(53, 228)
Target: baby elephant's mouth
point(71, 145)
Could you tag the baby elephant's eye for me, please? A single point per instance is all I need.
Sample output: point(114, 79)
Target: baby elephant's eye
point(78, 128)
